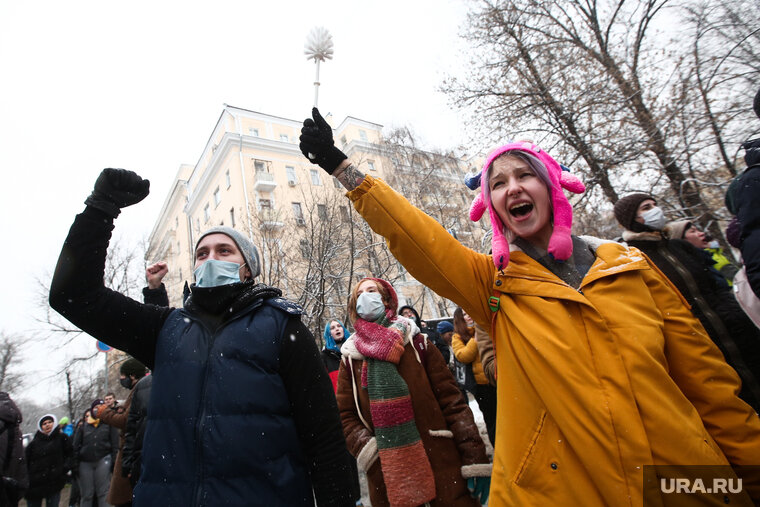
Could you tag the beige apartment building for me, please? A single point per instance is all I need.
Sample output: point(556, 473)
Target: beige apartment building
point(252, 176)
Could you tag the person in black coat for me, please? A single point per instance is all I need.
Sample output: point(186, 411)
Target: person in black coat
point(95, 447)
point(334, 335)
point(134, 433)
point(137, 416)
point(743, 200)
point(13, 473)
point(49, 458)
point(242, 410)
point(690, 270)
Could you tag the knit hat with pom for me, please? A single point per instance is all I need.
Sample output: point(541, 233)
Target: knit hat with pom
point(560, 244)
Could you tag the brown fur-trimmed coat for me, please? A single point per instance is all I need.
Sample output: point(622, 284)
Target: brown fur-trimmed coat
point(120, 491)
point(443, 418)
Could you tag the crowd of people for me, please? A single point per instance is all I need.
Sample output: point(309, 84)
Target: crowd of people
point(88, 454)
point(589, 359)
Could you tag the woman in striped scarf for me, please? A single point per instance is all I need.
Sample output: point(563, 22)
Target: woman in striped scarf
point(403, 415)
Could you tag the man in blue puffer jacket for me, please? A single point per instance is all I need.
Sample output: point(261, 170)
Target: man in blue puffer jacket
point(242, 411)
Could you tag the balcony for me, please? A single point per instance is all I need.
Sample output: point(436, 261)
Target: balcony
point(264, 182)
point(269, 219)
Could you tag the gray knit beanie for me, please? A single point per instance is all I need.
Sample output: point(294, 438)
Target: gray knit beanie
point(248, 249)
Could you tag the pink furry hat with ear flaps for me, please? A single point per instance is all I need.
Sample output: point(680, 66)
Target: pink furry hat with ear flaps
point(560, 244)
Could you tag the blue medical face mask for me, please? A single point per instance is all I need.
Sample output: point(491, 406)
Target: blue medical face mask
point(214, 273)
point(369, 306)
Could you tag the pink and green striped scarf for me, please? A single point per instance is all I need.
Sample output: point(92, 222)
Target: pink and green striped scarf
point(407, 473)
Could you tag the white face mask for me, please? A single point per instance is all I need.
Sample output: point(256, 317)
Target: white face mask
point(654, 218)
point(713, 244)
point(214, 273)
point(369, 306)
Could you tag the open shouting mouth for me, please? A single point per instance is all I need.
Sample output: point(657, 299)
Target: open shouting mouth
point(520, 210)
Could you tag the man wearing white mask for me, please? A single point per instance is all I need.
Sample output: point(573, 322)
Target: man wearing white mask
point(242, 411)
point(689, 269)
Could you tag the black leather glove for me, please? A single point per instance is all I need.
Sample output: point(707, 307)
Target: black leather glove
point(752, 153)
point(134, 475)
point(317, 140)
point(116, 189)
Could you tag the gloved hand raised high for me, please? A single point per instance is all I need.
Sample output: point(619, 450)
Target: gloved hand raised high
point(116, 189)
point(317, 140)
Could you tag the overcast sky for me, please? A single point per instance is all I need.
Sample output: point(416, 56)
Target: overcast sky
point(140, 85)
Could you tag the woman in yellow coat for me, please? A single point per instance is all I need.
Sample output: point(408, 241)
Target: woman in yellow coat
point(601, 368)
point(466, 352)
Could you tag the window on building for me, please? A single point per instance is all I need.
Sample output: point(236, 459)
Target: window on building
point(265, 204)
point(290, 171)
point(227, 178)
point(315, 177)
point(260, 166)
point(232, 217)
point(176, 222)
point(254, 132)
point(298, 212)
point(206, 212)
point(284, 138)
point(344, 214)
point(304, 244)
point(217, 197)
point(337, 183)
point(180, 279)
point(343, 140)
point(371, 165)
point(362, 135)
point(322, 211)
